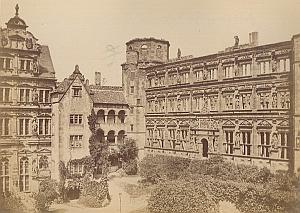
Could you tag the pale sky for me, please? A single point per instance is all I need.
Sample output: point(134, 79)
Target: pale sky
point(93, 33)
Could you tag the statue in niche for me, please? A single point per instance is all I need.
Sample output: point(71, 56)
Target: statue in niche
point(34, 167)
point(236, 41)
point(274, 66)
point(237, 139)
point(35, 96)
point(237, 102)
point(34, 126)
point(215, 144)
point(274, 141)
point(274, 100)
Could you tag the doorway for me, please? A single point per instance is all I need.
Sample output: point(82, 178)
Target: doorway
point(204, 148)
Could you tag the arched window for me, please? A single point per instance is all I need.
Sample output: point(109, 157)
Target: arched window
point(121, 116)
point(4, 175)
point(111, 117)
point(100, 116)
point(43, 162)
point(121, 136)
point(100, 135)
point(111, 136)
point(24, 174)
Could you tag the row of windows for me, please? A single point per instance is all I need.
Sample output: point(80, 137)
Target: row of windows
point(23, 64)
point(26, 126)
point(24, 173)
point(233, 143)
point(229, 101)
point(26, 95)
point(229, 71)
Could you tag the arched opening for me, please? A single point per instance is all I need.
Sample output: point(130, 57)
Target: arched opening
point(100, 135)
point(121, 116)
point(121, 136)
point(204, 147)
point(111, 117)
point(100, 116)
point(111, 136)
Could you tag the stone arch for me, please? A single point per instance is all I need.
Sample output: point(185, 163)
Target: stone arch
point(101, 116)
point(121, 136)
point(111, 136)
point(111, 116)
point(121, 116)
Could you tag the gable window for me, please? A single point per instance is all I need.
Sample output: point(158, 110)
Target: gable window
point(77, 91)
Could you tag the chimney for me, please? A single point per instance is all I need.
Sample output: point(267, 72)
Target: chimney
point(253, 38)
point(98, 78)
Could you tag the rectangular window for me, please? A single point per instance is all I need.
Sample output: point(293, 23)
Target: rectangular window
point(228, 71)
point(138, 101)
point(76, 141)
point(4, 126)
point(4, 94)
point(246, 101)
point(131, 89)
point(264, 67)
point(77, 91)
point(283, 145)
point(47, 96)
point(24, 126)
point(264, 100)
point(41, 96)
point(228, 101)
point(264, 144)
point(284, 65)
point(41, 126)
point(246, 69)
point(76, 119)
point(246, 143)
point(22, 64)
point(229, 141)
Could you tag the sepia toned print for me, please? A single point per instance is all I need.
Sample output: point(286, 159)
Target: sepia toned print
point(156, 130)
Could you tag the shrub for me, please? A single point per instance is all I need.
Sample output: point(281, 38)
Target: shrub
point(161, 168)
point(178, 196)
point(130, 167)
point(128, 150)
point(48, 192)
point(10, 201)
point(94, 193)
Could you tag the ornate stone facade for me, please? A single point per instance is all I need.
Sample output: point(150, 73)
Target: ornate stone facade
point(236, 103)
point(27, 79)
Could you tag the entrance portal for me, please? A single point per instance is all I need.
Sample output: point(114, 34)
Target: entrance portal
point(204, 147)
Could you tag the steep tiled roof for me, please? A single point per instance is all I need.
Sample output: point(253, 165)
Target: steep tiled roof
point(107, 94)
point(46, 67)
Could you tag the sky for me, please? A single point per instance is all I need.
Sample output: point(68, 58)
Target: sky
point(93, 33)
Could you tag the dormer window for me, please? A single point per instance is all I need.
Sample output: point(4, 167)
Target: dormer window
point(77, 91)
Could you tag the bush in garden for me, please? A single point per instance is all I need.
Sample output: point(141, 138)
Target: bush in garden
point(159, 167)
point(128, 150)
point(48, 192)
point(178, 196)
point(10, 201)
point(94, 193)
point(130, 167)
